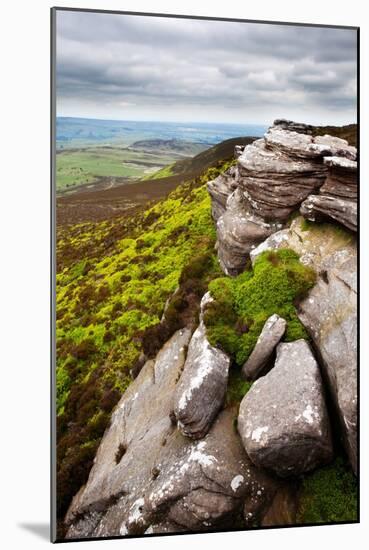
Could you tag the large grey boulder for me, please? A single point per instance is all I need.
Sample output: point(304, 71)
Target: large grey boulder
point(148, 478)
point(283, 420)
point(210, 483)
point(270, 336)
point(329, 313)
point(202, 387)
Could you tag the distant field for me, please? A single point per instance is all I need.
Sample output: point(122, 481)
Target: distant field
point(162, 173)
point(84, 166)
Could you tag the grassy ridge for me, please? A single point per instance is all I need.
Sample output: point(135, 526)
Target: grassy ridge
point(113, 279)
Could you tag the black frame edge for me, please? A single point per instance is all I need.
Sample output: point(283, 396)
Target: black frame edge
point(53, 522)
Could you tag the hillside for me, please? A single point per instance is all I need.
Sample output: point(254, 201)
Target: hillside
point(201, 162)
point(113, 280)
point(177, 146)
point(129, 293)
point(106, 202)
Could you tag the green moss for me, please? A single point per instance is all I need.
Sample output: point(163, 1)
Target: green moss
point(237, 387)
point(329, 495)
point(242, 305)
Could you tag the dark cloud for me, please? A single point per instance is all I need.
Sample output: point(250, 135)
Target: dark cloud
point(130, 66)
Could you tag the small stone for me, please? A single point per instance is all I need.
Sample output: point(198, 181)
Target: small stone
point(270, 336)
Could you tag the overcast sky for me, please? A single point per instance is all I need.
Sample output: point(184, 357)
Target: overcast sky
point(158, 68)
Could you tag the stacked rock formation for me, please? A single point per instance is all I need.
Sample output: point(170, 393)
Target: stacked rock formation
point(276, 175)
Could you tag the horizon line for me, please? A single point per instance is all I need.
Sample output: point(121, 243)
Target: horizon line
point(162, 121)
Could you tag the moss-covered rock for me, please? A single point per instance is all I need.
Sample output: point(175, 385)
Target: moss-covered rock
point(241, 305)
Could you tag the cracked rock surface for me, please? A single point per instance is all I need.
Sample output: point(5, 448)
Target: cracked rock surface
point(329, 313)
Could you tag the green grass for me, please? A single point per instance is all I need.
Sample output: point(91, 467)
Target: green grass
point(329, 495)
point(241, 305)
point(84, 166)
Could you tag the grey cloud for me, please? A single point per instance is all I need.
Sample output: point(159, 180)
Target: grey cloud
point(175, 64)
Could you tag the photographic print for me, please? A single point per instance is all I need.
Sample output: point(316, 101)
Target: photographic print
point(205, 255)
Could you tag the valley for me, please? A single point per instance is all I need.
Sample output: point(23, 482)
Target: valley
point(96, 155)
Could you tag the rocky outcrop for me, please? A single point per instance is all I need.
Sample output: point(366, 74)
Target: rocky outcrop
point(175, 458)
point(273, 177)
point(148, 478)
point(270, 336)
point(274, 182)
point(201, 389)
point(283, 420)
point(337, 198)
point(330, 315)
point(329, 312)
